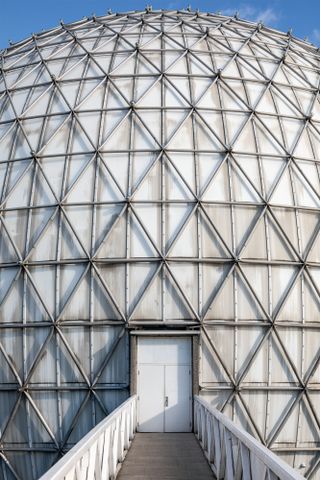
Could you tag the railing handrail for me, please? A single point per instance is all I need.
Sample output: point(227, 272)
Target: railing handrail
point(268, 458)
point(63, 466)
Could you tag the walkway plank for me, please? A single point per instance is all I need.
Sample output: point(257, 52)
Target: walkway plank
point(165, 456)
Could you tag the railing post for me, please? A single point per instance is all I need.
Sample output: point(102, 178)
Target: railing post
point(229, 455)
point(211, 450)
point(245, 461)
point(217, 443)
point(105, 470)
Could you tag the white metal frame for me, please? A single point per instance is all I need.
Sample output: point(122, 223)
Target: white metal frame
point(31, 65)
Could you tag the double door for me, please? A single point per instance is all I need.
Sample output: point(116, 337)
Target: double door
point(164, 384)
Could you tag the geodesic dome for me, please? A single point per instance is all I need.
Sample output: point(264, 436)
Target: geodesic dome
point(158, 168)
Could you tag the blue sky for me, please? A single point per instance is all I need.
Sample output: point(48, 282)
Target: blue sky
point(19, 18)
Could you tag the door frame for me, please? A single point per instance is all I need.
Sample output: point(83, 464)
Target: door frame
point(195, 345)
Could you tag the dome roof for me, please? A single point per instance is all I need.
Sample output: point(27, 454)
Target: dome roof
point(158, 168)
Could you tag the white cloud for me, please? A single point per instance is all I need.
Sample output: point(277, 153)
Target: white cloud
point(315, 36)
point(245, 11)
point(250, 12)
point(268, 16)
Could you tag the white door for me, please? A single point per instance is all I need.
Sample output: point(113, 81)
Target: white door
point(164, 384)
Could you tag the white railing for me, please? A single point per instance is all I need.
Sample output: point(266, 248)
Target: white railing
point(98, 454)
point(232, 452)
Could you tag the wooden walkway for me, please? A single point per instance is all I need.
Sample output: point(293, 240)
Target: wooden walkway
point(165, 456)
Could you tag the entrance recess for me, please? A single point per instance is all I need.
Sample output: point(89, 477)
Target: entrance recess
point(164, 384)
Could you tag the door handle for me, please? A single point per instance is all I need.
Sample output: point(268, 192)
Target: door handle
point(166, 401)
